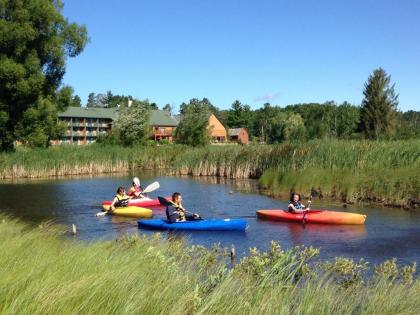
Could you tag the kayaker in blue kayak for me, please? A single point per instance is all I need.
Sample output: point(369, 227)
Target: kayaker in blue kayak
point(296, 206)
point(175, 212)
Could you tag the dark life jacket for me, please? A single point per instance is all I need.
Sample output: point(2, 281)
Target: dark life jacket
point(172, 212)
point(296, 204)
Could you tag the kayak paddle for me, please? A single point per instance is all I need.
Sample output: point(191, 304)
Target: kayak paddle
point(164, 202)
point(307, 210)
point(152, 187)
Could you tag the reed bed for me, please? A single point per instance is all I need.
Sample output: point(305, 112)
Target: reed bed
point(372, 171)
point(45, 273)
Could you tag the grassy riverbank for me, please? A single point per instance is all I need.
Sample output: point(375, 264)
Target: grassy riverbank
point(44, 273)
point(385, 172)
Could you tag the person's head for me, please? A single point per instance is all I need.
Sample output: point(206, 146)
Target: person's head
point(294, 197)
point(136, 181)
point(121, 190)
point(176, 197)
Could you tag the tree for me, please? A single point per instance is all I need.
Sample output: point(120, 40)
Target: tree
point(168, 108)
point(379, 107)
point(294, 128)
point(35, 42)
point(266, 119)
point(239, 116)
point(347, 119)
point(193, 127)
point(77, 102)
point(91, 101)
point(408, 125)
point(133, 124)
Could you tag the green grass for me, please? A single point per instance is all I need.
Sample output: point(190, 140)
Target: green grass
point(374, 171)
point(43, 272)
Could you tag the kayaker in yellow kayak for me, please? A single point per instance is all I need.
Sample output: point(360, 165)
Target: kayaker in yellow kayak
point(120, 199)
point(136, 190)
point(296, 206)
point(175, 212)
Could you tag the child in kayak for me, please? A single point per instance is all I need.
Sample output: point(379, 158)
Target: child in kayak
point(176, 213)
point(296, 206)
point(120, 200)
point(136, 190)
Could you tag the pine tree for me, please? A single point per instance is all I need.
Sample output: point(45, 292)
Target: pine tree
point(379, 107)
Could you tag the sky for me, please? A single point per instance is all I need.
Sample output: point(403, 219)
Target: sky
point(281, 52)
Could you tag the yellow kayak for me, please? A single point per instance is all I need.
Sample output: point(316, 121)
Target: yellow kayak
point(131, 211)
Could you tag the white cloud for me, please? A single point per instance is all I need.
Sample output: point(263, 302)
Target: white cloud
point(267, 97)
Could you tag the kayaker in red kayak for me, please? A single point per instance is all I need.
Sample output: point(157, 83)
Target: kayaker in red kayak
point(136, 190)
point(175, 212)
point(296, 206)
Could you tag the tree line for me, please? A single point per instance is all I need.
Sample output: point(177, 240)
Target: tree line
point(36, 40)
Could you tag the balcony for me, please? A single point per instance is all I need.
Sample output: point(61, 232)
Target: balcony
point(162, 132)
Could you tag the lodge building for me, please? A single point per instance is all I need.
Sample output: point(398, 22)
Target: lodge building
point(84, 125)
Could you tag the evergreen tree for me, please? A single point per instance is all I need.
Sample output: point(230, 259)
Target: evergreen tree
point(91, 101)
point(77, 102)
point(378, 113)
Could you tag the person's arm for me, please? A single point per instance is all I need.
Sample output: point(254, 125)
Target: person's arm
point(171, 214)
point(112, 206)
point(292, 208)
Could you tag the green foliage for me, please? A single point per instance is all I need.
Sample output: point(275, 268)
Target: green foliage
point(193, 127)
point(40, 124)
point(345, 271)
point(383, 172)
point(35, 42)
point(346, 120)
point(240, 116)
point(45, 273)
point(379, 106)
point(76, 102)
point(113, 137)
point(91, 101)
point(133, 124)
point(408, 125)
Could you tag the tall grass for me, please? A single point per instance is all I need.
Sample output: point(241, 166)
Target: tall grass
point(44, 273)
point(379, 171)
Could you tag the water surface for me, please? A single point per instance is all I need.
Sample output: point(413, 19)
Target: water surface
point(387, 233)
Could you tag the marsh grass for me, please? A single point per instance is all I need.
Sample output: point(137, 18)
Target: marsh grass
point(45, 273)
point(370, 171)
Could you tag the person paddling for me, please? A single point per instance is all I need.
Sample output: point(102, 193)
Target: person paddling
point(296, 206)
point(120, 200)
point(136, 190)
point(176, 213)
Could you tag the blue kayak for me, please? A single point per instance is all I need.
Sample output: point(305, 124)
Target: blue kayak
point(198, 225)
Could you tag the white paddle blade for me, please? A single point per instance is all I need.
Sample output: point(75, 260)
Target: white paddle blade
point(152, 187)
point(100, 214)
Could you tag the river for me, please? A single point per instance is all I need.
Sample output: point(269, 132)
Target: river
point(387, 233)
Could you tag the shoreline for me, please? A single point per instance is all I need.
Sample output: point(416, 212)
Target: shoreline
point(155, 275)
point(352, 172)
point(261, 190)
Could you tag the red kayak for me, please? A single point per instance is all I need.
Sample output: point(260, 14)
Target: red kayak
point(143, 202)
point(313, 216)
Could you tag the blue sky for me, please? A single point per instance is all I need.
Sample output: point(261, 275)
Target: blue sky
point(282, 52)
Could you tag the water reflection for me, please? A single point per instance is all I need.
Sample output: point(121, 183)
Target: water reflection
point(388, 232)
point(299, 233)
